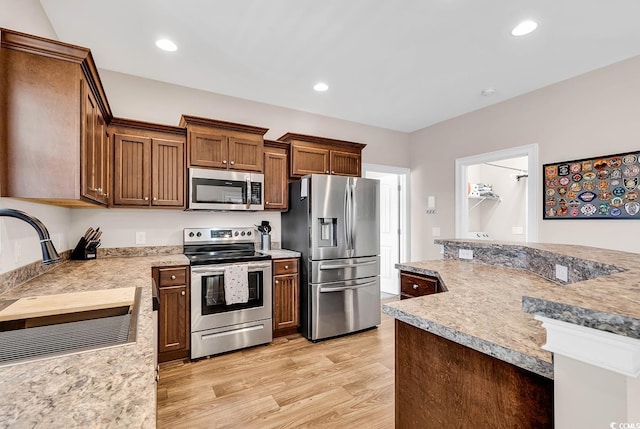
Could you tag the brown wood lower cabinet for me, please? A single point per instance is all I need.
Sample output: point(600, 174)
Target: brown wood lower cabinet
point(413, 285)
point(286, 301)
point(440, 383)
point(173, 314)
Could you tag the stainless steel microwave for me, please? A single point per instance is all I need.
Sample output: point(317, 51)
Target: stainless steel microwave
point(225, 190)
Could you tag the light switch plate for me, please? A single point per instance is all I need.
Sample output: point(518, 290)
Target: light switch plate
point(517, 230)
point(435, 231)
point(562, 273)
point(141, 237)
point(465, 253)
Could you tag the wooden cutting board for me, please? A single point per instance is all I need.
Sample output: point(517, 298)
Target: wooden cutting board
point(49, 305)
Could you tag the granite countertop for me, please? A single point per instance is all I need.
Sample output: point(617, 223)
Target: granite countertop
point(281, 253)
point(111, 387)
point(490, 308)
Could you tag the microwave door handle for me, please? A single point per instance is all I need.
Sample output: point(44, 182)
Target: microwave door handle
point(248, 192)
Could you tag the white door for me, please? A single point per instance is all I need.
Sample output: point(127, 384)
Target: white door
point(389, 230)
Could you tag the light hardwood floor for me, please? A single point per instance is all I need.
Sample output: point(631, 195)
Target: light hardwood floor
point(346, 382)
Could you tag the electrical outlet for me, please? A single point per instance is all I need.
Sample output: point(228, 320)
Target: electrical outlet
point(141, 237)
point(562, 273)
point(442, 249)
point(435, 231)
point(465, 253)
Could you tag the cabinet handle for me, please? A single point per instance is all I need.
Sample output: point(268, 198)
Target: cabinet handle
point(286, 267)
point(232, 162)
point(106, 195)
point(276, 282)
point(146, 198)
point(333, 172)
point(327, 171)
point(155, 198)
point(415, 287)
point(224, 161)
point(266, 202)
point(183, 293)
point(173, 277)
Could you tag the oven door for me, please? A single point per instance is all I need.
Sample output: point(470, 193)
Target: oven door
point(225, 190)
point(208, 307)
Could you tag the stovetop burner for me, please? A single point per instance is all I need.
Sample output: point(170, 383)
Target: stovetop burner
point(207, 246)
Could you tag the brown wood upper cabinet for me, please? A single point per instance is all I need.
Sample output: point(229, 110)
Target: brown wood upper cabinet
point(223, 145)
point(53, 117)
point(320, 155)
point(276, 175)
point(148, 164)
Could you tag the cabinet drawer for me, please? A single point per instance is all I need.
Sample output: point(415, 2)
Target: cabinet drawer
point(413, 285)
point(285, 266)
point(173, 276)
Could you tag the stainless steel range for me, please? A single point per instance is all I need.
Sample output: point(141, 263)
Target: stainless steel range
point(234, 315)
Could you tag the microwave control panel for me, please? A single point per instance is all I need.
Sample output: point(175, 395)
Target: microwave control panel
point(256, 193)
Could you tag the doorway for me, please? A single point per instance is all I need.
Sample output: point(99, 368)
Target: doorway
point(394, 222)
point(496, 195)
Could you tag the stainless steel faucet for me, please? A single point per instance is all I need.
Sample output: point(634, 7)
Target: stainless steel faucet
point(49, 253)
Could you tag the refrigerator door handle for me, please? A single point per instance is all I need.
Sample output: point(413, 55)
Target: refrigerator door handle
point(340, 289)
point(347, 216)
point(352, 186)
point(341, 266)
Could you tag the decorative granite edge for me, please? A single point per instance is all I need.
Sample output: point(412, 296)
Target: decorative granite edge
point(23, 274)
point(529, 363)
point(608, 322)
point(537, 261)
point(120, 252)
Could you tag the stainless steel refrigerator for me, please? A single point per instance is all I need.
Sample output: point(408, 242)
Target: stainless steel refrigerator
point(334, 222)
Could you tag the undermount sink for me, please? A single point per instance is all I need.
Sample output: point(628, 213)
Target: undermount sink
point(54, 325)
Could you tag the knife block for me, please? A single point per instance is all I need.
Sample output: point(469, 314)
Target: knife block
point(82, 252)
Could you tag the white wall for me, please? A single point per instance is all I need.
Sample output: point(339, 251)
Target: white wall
point(589, 115)
point(26, 16)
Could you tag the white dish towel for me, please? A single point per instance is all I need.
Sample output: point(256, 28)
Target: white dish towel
point(236, 284)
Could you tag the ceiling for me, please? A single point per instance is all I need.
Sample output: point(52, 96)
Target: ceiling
point(401, 65)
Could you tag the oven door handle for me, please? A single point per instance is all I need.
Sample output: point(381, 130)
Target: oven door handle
point(341, 266)
point(221, 270)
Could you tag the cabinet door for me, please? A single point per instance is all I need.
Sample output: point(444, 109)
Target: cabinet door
point(285, 302)
point(308, 160)
point(102, 160)
point(173, 330)
point(132, 170)
point(276, 189)
point(208, 150)
point(91, 149)
point(167, 169)
point(245, 155)
point(345, 163)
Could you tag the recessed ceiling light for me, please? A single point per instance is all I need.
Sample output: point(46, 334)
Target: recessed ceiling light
point(166, 45)
point(525, 27)
point(320, 86)
point(488, 92)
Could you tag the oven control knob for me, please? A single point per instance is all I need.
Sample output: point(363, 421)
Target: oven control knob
point(199, 234)
point(236, 233)
point(191, 234)
point(243, 233)
point(248, 232)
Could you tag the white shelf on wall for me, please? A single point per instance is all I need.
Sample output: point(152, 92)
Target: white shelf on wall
point(482, 198)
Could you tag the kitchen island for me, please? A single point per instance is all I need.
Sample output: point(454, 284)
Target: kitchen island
point(110, 387)
point(474, 353)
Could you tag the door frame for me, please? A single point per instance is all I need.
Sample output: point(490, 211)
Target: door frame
point(405, 204)
point(462, 202)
